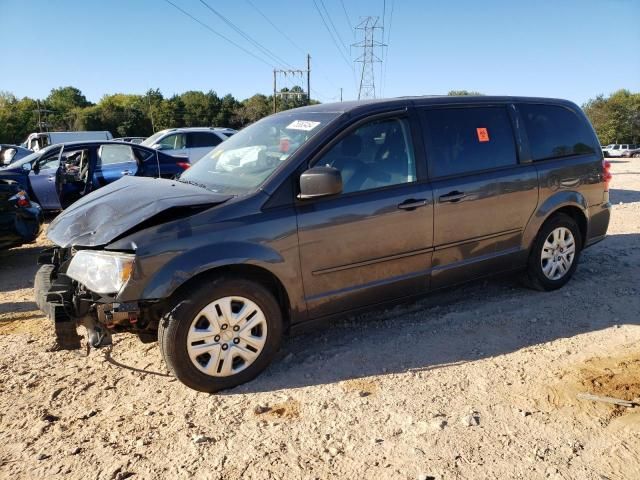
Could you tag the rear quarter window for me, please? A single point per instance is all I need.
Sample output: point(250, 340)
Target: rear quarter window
point(464, 140)
point(556, 131)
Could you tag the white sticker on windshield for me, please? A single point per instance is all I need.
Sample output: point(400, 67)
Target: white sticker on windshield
point(305, 125)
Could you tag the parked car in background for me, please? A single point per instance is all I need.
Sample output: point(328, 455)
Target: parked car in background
point(130, 139)
point(191, 143)
point(60, 174)
point(12, 153)
point(322, 211)
point(634, 151)
point(605, 150)
point(20, 218)
point(619, 149)
point(37, 141)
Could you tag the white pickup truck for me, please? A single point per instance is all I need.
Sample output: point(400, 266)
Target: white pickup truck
point(37, 140)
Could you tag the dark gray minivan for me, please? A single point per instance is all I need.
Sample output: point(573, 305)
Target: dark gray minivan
point(322, 211)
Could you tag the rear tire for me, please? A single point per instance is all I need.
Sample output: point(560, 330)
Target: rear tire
point(221, 334)
point(555, 253)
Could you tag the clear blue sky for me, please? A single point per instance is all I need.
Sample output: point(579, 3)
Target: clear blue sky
point(574, 49)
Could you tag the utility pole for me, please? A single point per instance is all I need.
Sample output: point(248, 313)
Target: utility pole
point(276, 93)
point(308, 79)
point(369, 27)
point(341, 94)
point(153, 125)
point(40, 111)
point(275, 109)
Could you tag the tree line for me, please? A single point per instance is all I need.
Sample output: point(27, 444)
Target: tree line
point(616, 118)
point(67, 109)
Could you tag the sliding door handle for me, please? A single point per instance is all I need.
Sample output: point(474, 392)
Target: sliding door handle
point(454, 196)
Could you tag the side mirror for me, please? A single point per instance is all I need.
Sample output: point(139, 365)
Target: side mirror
point(320, 182)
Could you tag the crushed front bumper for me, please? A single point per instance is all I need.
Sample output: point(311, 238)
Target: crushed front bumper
point(69, 305)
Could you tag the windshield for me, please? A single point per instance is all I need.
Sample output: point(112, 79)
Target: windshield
point(32, 157)
point(153, 138)
point(240, 164)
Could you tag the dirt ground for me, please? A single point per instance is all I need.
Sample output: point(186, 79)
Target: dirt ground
point(478, 382)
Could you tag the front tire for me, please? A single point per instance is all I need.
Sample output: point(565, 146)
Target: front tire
point(555, 253)
point(222, 334)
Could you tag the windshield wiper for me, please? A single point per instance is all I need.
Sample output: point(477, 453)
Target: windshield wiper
point(191, 182)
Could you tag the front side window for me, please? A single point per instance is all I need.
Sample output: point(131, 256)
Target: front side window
point(49, 160)
point(556, 131)
point(377, 154)
point(464, 140)
point(203, 139)
point(110, 154)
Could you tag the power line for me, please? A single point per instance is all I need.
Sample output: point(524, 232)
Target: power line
point(293, 43)
point(331, 35)
point(276, 27)
point(386, 61)
point(248, 52)
point(334, 27)
point(238, 30)
point(346, 15)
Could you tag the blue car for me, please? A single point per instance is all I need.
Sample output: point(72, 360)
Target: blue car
point(60, 174)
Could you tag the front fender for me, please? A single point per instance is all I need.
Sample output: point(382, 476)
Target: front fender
point(187, 265)
point(551, 204)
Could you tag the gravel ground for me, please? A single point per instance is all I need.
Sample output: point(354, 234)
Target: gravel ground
point(477, 382)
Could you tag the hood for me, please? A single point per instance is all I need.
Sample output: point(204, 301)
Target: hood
point(127, 204)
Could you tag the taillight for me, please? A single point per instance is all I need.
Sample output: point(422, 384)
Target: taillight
point(606, 173)
point(183, 165)
point(22, 200)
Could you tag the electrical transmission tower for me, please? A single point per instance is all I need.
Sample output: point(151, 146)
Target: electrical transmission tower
point(369, 44)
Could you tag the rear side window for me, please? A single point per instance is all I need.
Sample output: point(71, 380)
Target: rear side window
point(111, 154)
point(203, 139)
point(555, 131)
point(463, 140)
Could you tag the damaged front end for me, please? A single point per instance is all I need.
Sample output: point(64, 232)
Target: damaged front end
point(79, 288)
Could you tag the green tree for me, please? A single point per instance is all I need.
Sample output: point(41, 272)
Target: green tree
point(616, 119)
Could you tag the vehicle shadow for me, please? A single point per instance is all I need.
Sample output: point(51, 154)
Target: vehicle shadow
point(477, 321)
point(623, 196)
point(16, 307)
point(19, 265)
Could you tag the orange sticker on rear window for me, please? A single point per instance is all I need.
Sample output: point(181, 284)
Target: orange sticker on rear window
point(483, 134)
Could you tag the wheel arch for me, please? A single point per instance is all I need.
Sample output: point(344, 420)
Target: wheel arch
point(246, 271)
point(570, 203)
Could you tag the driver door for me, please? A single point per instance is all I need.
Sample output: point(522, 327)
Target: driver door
point(43, 183)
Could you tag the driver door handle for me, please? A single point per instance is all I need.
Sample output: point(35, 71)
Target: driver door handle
point(126, 172)
point(412, 204)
